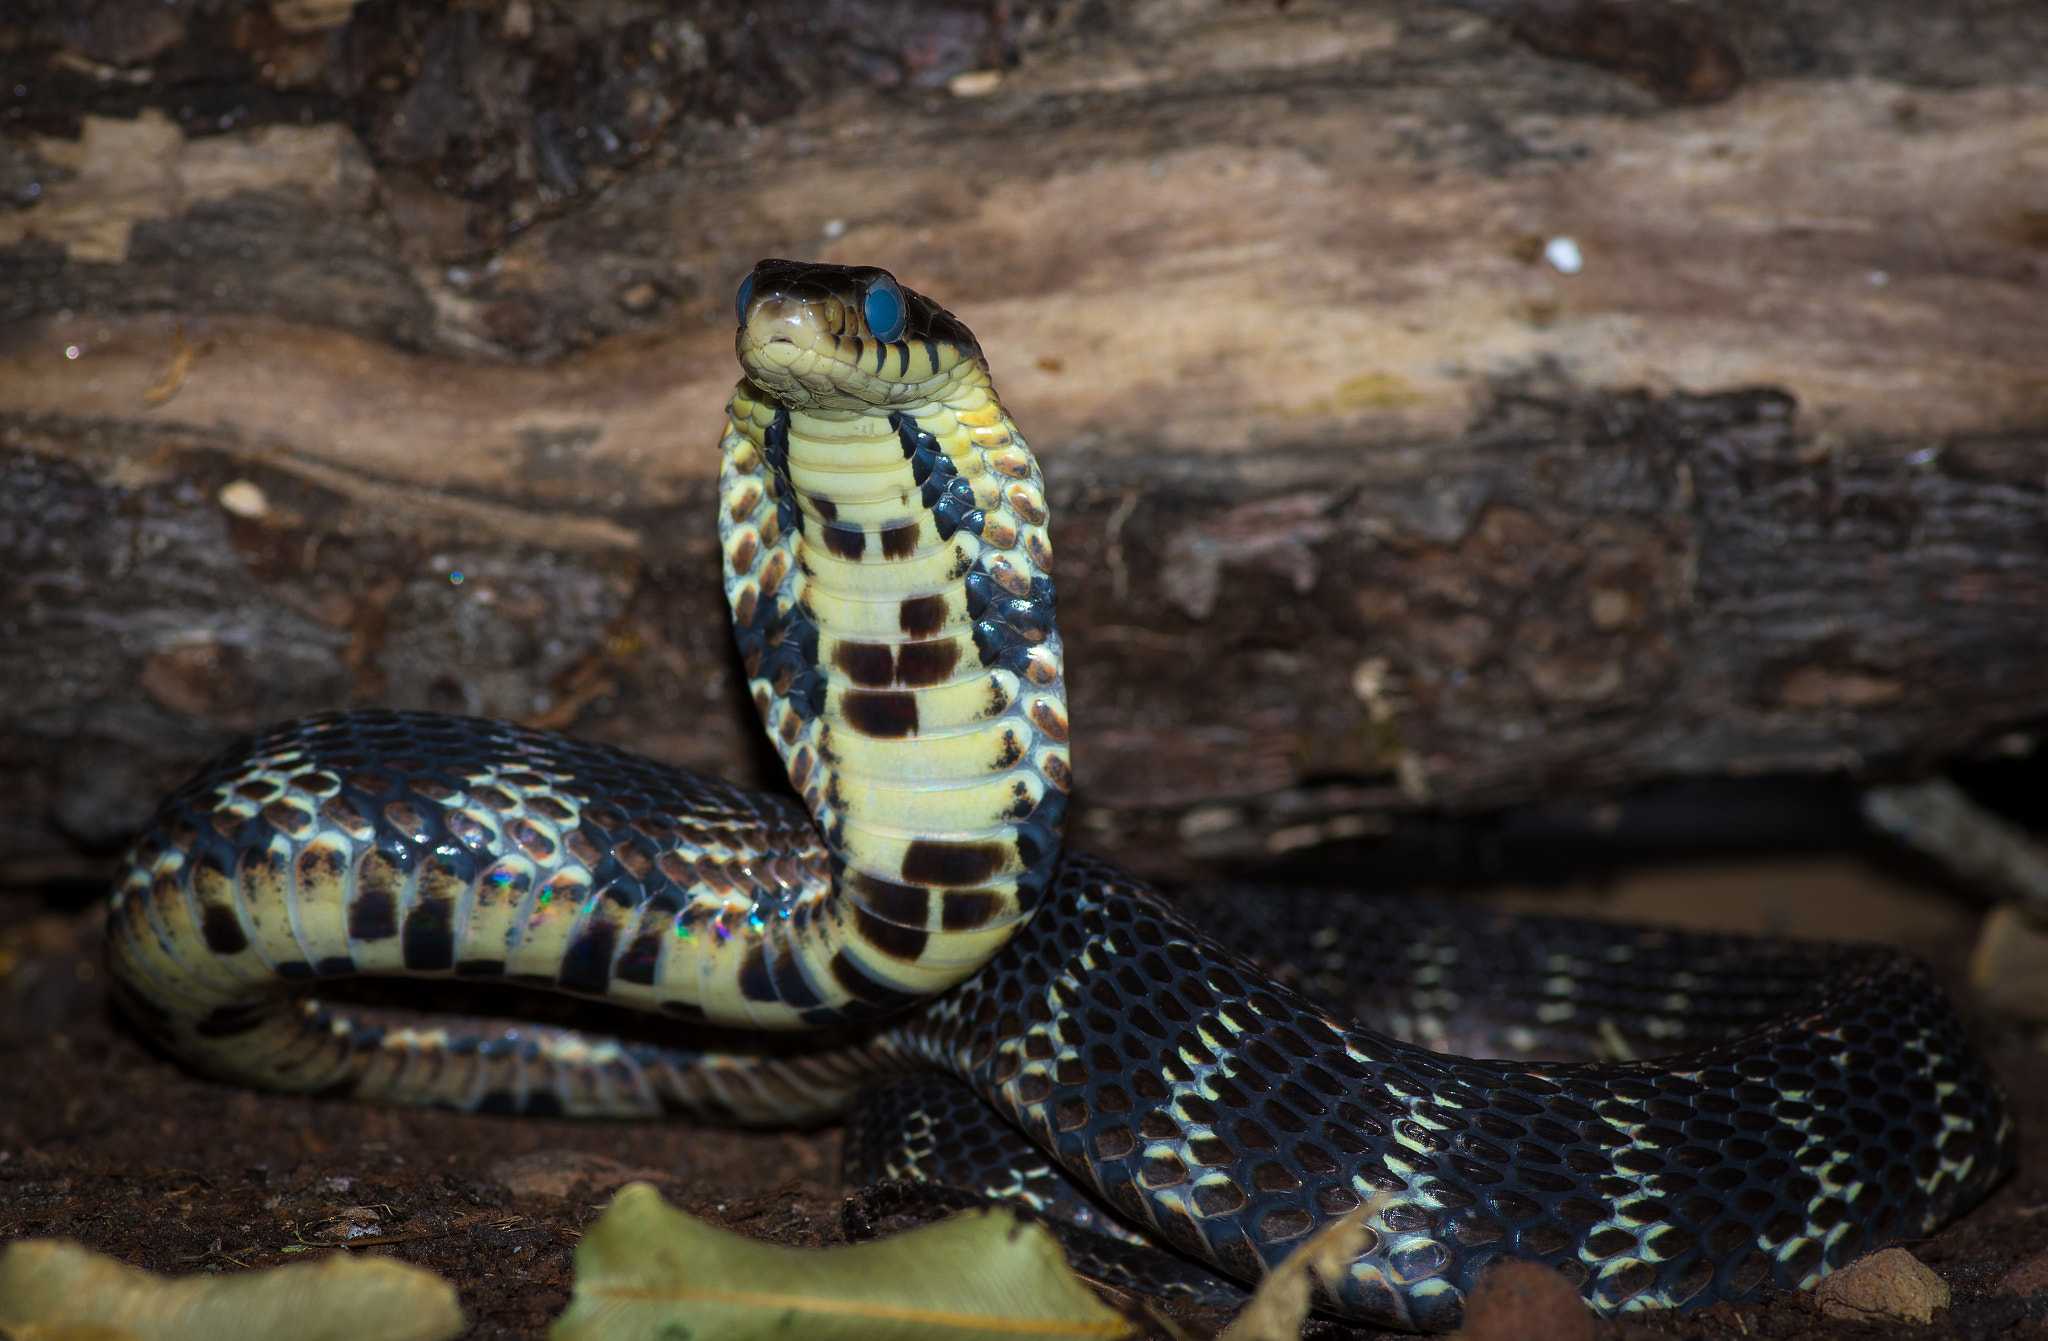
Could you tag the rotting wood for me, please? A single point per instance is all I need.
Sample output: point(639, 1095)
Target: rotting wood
point(1363, 503)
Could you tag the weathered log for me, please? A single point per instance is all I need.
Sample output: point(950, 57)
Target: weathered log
point(393, 390)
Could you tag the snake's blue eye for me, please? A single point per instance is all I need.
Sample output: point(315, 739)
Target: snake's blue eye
point(884, 310)
point(746, 292)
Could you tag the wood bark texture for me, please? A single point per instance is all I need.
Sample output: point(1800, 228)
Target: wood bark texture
point(1445, 407)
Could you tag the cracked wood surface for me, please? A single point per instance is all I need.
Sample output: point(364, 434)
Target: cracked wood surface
point(1364, 504)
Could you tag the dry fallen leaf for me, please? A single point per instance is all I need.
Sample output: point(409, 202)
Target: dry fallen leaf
point(56, 1290)
point(647, 1270)
point(1277, 1308)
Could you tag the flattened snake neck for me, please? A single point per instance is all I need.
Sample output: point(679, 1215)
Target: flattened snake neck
point(883, 535)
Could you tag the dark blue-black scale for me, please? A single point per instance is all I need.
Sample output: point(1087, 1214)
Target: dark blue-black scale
point(775, 449)
point(964, 1151)
point(1008, 626)
point(1862, 1034)
point(780, 643)
point(950, 498)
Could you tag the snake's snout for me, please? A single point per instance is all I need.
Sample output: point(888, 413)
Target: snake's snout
point(790, 320)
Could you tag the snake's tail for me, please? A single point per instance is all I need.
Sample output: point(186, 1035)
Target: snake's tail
point(235, 1019)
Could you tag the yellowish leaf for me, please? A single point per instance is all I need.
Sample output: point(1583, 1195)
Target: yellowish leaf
point(55, 1290)
point(646, 1270)
point(1277, 1308)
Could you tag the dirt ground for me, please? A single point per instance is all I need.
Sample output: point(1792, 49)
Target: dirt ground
point(107, 1142)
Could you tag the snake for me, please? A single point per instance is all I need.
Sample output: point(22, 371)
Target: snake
point(1670, 1120)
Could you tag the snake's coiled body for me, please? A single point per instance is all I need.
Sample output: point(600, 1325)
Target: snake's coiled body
point(882, 528)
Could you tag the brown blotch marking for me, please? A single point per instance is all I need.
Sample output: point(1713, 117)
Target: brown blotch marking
point(884, 715)
point(339, 812)
point(578, 845)
point(1026, 504)
point(634, 858)
point(827, 509)
point(1163, 1170)
point(1212, 1199)
point(288, 819)
point(968, 909)
point(221, 929)
point(903, 943)
point(719, 877)
point(320, 871)
point(1543, 1240)
point(1022, 802)
point(1012, 751)
point(1045, 715)
point(1283, 1223)
point(919, 665)
point(428, 940)
point(922, 616)
point(1115, 1143)
point(904, 905)
point(406, 819)
point(871, 665)
point(899, 541)
point(373, 914)
point(930, 862)
point(677, 867)
point(848, 542)
point(531, 840)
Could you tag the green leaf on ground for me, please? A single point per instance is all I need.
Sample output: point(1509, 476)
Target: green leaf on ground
point(56, 1290)
point(646, 1270)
